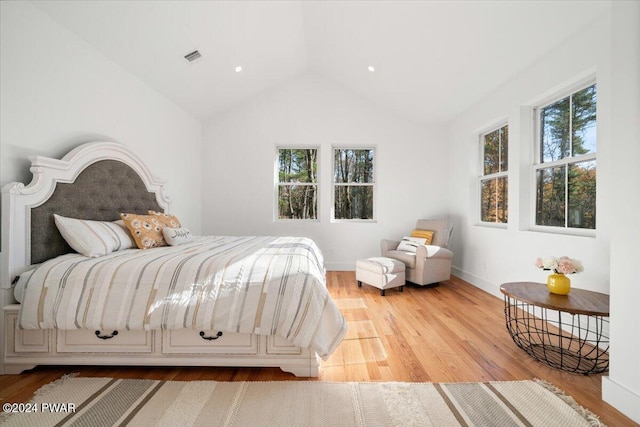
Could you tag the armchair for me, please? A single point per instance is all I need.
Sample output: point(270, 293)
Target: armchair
point(430, 264)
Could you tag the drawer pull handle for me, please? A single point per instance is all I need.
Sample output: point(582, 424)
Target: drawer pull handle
point(218, 335)
point(106, 337)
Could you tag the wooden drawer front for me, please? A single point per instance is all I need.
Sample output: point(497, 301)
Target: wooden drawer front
point(183, 341)
point(86, 341)
point(25, 340)
point(32, 341)
point(278, 345)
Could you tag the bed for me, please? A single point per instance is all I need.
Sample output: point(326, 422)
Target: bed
point(257, 301)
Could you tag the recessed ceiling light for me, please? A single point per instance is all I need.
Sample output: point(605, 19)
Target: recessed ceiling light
point(238, 69)
point(371, 68)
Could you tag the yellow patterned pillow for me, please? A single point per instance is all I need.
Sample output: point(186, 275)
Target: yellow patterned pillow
point(146, 230)
point(425, 234)
point(165, 219)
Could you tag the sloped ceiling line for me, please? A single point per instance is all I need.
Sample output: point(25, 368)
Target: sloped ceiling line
point(433, 59)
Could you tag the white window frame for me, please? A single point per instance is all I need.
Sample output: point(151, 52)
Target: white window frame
point(539, 165)
point(482, 177)
point(334, 183)
point(277, 183)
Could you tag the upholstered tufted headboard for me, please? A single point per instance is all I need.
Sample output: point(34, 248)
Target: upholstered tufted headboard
point(100, 192)
point(97, 180)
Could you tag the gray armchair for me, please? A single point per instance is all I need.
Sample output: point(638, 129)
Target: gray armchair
point(430, 264)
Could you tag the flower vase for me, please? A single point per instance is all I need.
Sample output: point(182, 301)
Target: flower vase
point(558, 284)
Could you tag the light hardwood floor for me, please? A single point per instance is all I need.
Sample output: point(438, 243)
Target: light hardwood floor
point(454, 332)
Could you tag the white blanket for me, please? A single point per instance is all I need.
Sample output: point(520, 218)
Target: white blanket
point(261, 285)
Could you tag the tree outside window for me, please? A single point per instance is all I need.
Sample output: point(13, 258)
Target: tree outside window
point(353, 183)
point(566, 173)
point(297, 182)
point(494, 182)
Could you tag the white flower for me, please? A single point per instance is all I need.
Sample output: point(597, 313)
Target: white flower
point(563, 265)
point(549, 263)
point(578, 266)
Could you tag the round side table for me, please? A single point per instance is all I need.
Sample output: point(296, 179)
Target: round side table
point(567, 332)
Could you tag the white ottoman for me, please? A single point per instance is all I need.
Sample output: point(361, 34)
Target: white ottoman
point(383, 273)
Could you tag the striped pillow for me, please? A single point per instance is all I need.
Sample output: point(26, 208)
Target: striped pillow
point(425, 234)
point(410, 244)
point(94, 238)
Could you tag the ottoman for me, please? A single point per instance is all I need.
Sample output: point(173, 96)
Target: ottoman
point(383, 273)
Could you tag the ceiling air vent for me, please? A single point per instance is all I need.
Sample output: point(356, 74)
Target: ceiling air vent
point(192, 56)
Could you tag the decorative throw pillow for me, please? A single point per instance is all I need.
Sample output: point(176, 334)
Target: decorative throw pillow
point(166, 219)
point(425, 234)
point(177, 236)
point(94, 238)
point(410, 244)
point(145, 229)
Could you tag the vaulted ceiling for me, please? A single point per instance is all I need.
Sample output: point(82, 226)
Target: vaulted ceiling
point(432, 59)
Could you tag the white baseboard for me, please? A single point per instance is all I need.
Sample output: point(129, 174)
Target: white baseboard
point(478, 282)
point(485, 285)
point(340, 266)
point(620, 397)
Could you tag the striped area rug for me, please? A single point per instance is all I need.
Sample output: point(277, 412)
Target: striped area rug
point(136, 402)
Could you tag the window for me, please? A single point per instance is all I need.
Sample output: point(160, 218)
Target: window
point(494, 182)
point(566, 173)
point(353, 181)
point(297, 183)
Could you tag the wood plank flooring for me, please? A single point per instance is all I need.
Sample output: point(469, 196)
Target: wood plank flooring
point(451, 333)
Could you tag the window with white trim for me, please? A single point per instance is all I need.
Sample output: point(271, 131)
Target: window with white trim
point(494, 180)
point(565, 174)
point(353, 184)
point(297, 183)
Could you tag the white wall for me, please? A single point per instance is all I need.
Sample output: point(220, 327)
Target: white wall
point(622, 387)
point(490, 256)
point(609, 49)
point(239, 154)
point(56, 92)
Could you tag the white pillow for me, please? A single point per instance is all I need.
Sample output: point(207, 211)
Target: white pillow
point(177, 236)
point(94, 238)
point(410, 244)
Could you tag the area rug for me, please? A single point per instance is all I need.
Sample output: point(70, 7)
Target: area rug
point(137, 402)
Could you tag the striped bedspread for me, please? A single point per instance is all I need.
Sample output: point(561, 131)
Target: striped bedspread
point(261, 285)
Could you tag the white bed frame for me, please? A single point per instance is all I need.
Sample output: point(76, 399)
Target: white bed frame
point(24, 349)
